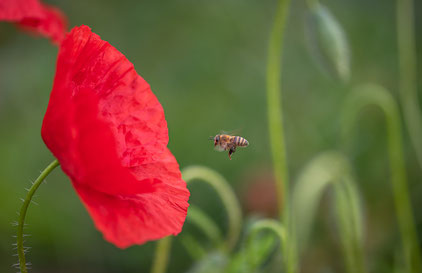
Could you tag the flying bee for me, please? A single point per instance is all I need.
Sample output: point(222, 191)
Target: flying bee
point(228, 143)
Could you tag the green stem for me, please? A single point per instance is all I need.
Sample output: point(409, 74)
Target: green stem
point(221, 186)
point(376, 95)
point(329, 169)
point(197, 217)
point(275, 126)
point(161, 255)
point(346, 200)
point(193, 247)
point(22, 214)
point(311, 4)
point(408, 74)
point(274, 104)
point(267, 224)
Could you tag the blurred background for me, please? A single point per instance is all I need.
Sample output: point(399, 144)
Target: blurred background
point(206, 63)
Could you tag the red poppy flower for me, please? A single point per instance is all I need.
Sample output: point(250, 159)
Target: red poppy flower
point(108, 131)
point(35, 17)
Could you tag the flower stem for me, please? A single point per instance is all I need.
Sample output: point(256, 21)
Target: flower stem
point(329, 169)
point(407, 73)
point(274, 104)
point(22, 214)
point(222, 187)
point(377, 95)
point(267, 224)
point(349, 218)
point(275, 127)
point(209, 228)
point(161, 255)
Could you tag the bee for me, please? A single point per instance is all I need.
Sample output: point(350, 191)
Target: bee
point(228, 143)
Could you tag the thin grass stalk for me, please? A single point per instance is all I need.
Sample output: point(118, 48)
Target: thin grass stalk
point(408, 73)
point(372, 94)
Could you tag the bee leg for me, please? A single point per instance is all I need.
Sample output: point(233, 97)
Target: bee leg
point(231, 151)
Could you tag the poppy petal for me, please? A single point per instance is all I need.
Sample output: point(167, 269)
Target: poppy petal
point(125, 220)
point(109, 133)
point(35, 17)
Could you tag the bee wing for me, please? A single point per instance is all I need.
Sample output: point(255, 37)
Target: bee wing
point(231, 132)
point(219, 148)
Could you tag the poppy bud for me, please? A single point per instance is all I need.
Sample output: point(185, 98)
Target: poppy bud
point(327, 42)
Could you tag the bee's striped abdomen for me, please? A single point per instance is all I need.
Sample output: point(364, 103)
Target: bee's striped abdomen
point(240, 141)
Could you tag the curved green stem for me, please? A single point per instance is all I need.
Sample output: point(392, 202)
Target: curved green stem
point(221, 186)
point(330, 169)
point(24, 208)
point(311, 3)
point(267, 224)
point(197, 217)
point(161, 256)
point(350, 223)
point(275, 125)
point(376, 95)
point(274, 105)
point(193, 247)
point(408, 73)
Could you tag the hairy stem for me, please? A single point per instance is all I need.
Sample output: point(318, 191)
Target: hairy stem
point(24, 208)
point(408, 74)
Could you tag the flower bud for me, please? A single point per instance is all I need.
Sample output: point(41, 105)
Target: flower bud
point(328, 43)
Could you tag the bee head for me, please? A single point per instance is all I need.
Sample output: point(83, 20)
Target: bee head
point(216, 140)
